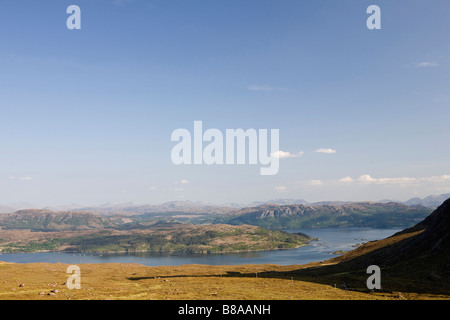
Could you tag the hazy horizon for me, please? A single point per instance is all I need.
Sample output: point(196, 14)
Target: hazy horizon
point(28, 205)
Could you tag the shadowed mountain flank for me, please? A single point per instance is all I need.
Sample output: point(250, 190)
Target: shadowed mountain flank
point(416, 259)
point(429, 238)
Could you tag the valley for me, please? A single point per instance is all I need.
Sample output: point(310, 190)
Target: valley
point(190, 229)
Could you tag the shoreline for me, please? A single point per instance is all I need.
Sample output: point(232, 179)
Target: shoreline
point(152, 251)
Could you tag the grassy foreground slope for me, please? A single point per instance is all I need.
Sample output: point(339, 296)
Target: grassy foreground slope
point(112, 281)
point(36, 281)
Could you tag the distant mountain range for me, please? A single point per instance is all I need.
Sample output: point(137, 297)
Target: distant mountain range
point(273, 214)
point(270, 216)
point(176, 208)
point(353, 214)
point(430, 201)
point(260, 203)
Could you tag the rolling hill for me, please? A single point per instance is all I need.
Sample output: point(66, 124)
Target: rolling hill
point(43, 230)
point(46, 220)
point(352, 214)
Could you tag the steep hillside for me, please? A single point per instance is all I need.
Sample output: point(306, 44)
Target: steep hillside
point(415, 260)
point(427, 239)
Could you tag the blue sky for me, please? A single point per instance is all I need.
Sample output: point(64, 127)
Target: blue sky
point(87, 114)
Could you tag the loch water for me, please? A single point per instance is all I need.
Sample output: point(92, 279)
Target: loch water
point(332, 240)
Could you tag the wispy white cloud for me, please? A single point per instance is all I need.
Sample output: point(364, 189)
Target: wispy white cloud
point(281, 188)
point(285, 154)
point(442, 181)
point(21, 178)
point(426, 64)
point(368, 179)
point(182, 181)
point(315, 182)
point(326, 150)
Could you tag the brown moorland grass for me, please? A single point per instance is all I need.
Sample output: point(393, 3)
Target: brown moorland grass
point(113, 281)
